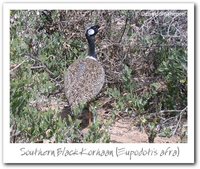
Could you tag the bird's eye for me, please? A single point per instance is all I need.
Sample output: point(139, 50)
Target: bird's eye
point(91, 32)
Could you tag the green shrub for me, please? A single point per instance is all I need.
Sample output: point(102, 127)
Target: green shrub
point(145, 62)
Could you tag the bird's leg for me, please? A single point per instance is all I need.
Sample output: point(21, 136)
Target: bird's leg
point(90, 114)
point(90, 118)
point(93, 114)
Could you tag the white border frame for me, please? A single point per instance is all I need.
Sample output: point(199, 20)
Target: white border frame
point(12, 153)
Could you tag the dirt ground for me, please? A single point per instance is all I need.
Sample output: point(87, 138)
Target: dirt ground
point(123, 131)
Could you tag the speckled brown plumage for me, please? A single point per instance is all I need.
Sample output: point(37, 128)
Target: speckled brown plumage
point(83, 81)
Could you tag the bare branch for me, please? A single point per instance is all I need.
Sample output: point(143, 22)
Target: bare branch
point(16, 67)
point(172, 111)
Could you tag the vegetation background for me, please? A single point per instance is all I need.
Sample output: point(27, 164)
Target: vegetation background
point(144, 54)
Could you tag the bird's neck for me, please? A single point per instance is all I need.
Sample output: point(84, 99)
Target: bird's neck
point(91, 47)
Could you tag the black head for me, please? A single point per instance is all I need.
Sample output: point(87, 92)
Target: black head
point(92, 31)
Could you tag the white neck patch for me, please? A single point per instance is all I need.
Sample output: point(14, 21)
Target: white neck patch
point(91, 32)
point(90, 57)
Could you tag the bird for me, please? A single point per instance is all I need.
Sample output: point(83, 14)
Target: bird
point(85, 77)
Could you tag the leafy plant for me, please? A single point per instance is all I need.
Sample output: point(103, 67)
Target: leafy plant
point(146, 71)
point(96, 134)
